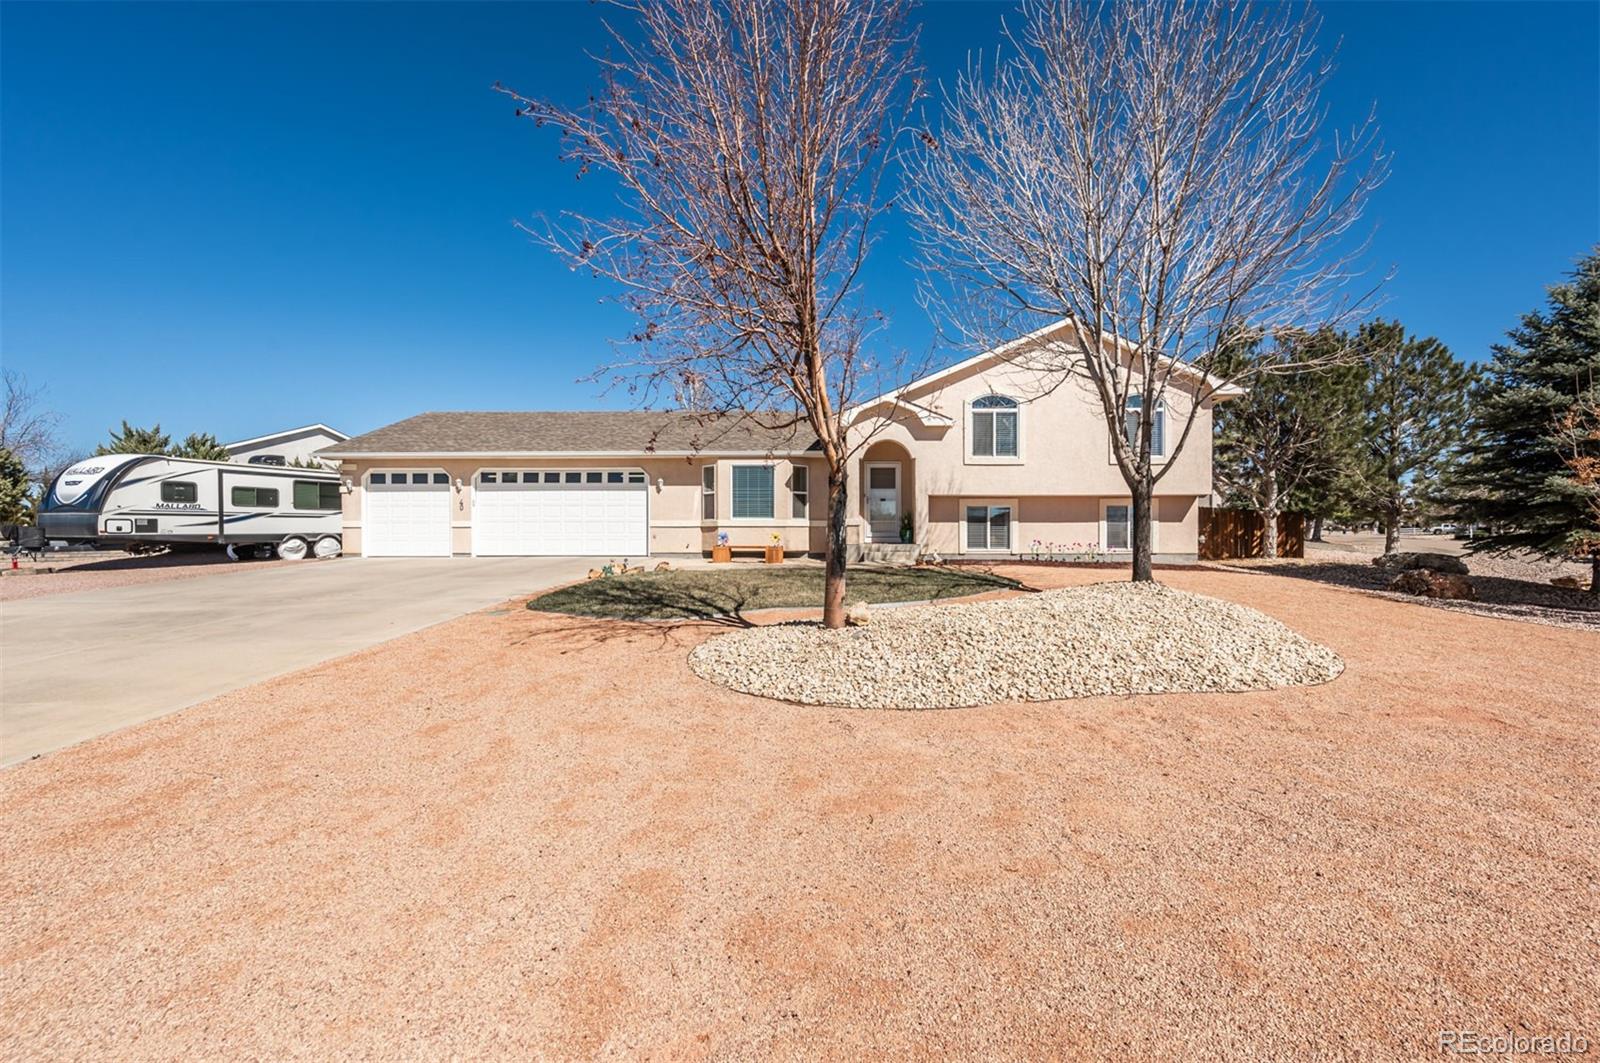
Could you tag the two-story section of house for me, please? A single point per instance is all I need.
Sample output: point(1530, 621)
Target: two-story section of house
point(987, 458)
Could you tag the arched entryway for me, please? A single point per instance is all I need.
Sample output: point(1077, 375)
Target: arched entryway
point(888, 492)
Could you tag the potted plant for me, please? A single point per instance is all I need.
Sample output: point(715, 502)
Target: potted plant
point(905, 528)
point(722, 551)
point(775, 550)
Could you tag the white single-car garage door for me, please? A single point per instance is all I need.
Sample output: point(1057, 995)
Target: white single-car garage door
point(594, 512)
point(407, 515)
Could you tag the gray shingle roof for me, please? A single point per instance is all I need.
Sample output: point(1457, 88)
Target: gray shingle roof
point(572, 432)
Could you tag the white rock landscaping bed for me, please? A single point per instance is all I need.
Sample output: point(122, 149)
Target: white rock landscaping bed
point(1107, 638)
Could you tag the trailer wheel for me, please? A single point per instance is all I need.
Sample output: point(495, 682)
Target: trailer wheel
point(293, 549)
point(327, 546)
point(233, 553)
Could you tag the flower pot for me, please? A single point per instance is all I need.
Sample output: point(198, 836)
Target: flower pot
point(774, 555)
point(721, 553)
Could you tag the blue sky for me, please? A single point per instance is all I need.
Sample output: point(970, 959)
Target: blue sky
point(235, 218)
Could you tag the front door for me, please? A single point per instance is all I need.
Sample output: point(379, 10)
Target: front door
point(883, 502)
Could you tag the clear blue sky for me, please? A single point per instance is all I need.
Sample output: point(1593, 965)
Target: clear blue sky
point(235, 218)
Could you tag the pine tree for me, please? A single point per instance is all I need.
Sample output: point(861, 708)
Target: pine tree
point(13, 488)
point(203, 446)
point(1289, 438)
point(133, 440)
point(1414, 405)
point(1515, 478)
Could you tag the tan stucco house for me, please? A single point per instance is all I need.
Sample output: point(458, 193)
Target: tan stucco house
point(287, 447)
point(983, 456)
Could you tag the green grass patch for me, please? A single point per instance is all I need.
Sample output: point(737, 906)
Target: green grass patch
point(705, 594)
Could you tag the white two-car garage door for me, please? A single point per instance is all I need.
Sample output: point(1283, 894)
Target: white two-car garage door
point(407, 515)
point(595, 512)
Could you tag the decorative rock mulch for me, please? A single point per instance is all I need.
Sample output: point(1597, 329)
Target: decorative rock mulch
point(1107, 638)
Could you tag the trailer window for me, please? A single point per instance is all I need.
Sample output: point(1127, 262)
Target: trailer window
point(316, 494)
point(259, 497)
point(179, 491)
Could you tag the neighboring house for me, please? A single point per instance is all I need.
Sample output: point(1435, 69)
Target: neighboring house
point(984, 457)
point(286, 447)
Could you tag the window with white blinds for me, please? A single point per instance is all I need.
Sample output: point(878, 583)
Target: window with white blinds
point(799, 491)
point(1118, 527)
point(994, 427)
point(988, 527)
point(752, 492)
point(1158, 427)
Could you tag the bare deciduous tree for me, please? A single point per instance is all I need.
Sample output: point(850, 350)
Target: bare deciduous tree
point(1150, 173)
point(26, 429)
point(748, 139)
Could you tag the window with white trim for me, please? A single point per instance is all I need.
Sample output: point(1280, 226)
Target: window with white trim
point(752, 492)
point(1119, 527)
point(994, 427)
point(708, 493)
point(799, 491)
point(988, 527)
point(1158, 427)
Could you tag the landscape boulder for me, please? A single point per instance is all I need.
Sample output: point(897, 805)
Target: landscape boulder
point(1567, 583)
point(1406, 562)
point(857, 615)
point(1429, 584)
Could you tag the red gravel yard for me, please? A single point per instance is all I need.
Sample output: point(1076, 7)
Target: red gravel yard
point(521, 834)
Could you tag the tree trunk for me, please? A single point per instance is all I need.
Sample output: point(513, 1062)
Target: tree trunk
point(834, 559)
point(1141, 530)
point(1391, 529)
point(1316, 528)
point(1594, 572)
point(1269, 515)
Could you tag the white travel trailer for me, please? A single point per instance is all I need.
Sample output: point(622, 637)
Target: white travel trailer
point(131, 499)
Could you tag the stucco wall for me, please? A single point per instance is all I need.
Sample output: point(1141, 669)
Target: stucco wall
point(301, 445)
point(1065, 448)
point(1070, 523)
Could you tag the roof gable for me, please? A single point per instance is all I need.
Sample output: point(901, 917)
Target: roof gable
point(1005, 352)
point(333, 433)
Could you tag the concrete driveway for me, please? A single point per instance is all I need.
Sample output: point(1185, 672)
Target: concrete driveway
point(73, 666)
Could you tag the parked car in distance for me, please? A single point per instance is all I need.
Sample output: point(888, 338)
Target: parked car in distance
point(1442, 529)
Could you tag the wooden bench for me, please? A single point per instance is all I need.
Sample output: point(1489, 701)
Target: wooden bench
point(725, 552)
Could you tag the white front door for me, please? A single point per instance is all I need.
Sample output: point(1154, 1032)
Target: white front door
point(407, 515)
point(594, 512)
point(883, 502)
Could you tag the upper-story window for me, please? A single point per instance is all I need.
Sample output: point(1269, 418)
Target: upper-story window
point(1158, 427)
point(995, 427)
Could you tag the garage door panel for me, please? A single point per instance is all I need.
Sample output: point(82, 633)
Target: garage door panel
point(597, 513)
point(407, 515)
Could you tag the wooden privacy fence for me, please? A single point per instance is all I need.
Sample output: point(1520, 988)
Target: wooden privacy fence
point(1229, 533)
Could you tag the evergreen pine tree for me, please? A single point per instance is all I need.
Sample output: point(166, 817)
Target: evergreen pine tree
point(1414, 405)
point(13, 488)
point(133, 440)
point(1290, 437)
point(203, 446)
point(1515, 479)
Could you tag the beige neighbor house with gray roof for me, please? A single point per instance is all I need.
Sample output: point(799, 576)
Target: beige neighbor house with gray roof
point(983, 459)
